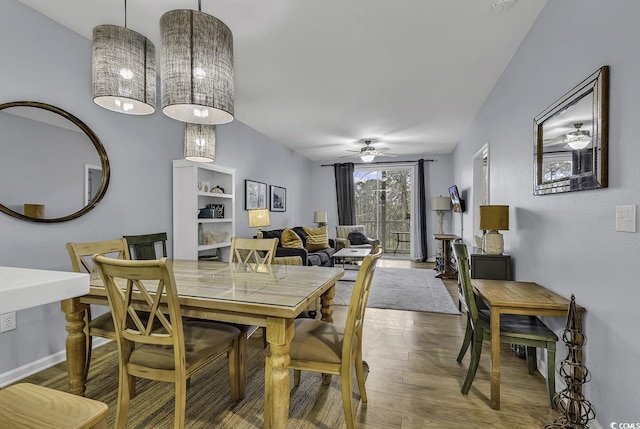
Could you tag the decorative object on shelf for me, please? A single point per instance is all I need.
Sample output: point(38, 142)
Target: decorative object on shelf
point(571, 139)
point(575, 412)
point(206, 187)
point(199, 142)
point(213, 237)
point(200, 234)
point(35, 211)
point(494, 218)
point(199, 186)
point(218, 210)
point(440, 205)
point(209, 212)
point(255, 195)
point(278, 199)
point(197, 67)
point(123, 69)
point(217, 190)
point(320, 218)
point(259, 218)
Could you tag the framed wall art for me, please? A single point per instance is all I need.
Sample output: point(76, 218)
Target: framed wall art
point(278, 199)
point(255, 195)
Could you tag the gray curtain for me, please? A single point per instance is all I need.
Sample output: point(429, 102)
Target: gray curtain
point(423, 210)
point(345, 194)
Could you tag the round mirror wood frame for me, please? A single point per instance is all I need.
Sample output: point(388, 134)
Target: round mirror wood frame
point(104, 161)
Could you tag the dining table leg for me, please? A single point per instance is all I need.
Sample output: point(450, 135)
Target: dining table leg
point(279, 335)
point(76, 344)
point(495, 359)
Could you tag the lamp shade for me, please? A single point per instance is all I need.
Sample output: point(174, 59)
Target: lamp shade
point(123, 71)
point(258, 218)
point(441, 203)
point(319, 217)
point(200, 142)
point(196, 68)
point(494, 218)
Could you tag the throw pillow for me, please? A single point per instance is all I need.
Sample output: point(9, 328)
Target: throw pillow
point(356, 237)
point(290, 239)
point(317, 238)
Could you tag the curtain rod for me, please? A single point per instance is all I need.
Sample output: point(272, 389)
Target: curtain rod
point(381, 162)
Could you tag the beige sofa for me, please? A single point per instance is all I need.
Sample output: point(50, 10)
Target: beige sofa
point(342, 240)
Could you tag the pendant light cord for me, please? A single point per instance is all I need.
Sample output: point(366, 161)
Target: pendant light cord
point(125, 13)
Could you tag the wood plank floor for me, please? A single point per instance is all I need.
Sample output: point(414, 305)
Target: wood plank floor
point(414, 380)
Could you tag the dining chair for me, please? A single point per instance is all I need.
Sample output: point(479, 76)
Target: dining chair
point(171, 353)
point(253, 250)
point(26, 405)
point(144, 246)
point(258, 251)
point(323, 347)
point(80, 254)
point(523, 330)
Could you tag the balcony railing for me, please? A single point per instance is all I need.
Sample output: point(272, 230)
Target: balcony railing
point(383, 231)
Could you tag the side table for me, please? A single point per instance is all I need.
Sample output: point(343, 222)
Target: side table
point(447, 269)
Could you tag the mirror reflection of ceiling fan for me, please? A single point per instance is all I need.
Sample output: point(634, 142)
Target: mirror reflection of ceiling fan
point(367, 153)
point(578, 139)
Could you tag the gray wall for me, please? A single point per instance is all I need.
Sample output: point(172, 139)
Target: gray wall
point(43, 61)
point(568, 242)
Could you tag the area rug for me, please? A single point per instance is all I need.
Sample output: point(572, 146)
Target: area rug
point(401, 289)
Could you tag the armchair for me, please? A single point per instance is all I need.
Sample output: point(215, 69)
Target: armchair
point(342, 237)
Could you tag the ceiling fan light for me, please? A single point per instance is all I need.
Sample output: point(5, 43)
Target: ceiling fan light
point(367, 157)
point(578, 139)
point(123, 72)
point(196, 68)
point(579, 142)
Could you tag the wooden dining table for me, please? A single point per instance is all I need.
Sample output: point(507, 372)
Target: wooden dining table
point(511, 297)
point(264, 295)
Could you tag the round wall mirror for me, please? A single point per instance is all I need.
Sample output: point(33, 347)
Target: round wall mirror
point(53, 167)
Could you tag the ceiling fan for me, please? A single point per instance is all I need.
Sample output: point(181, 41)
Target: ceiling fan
point(367, 153)
point(577, 139)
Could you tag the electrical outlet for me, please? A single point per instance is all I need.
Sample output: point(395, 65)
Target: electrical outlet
point(7, 321)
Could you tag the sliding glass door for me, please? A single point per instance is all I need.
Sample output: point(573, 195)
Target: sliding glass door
point(383, 205)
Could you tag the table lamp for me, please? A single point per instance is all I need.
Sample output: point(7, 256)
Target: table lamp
point(320, 218)
point(440, 204)
point(257, 219)
point(493, 219)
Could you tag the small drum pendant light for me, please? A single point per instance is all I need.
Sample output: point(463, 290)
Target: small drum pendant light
point(196, 68)
point(200, 142)
point(123, 70)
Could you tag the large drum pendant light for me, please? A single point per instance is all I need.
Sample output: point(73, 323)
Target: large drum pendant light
point(200, 142)
point(123, 70)
point(196, 67)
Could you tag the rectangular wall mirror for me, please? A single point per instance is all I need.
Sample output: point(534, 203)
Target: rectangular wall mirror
point(571, 139)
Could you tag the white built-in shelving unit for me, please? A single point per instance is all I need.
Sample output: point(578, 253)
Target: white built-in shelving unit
point(189, 196)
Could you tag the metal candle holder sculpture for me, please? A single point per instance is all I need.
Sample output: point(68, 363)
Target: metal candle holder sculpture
point(575, 412)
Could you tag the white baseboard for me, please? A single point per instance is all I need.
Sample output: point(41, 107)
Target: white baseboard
point(23, 371)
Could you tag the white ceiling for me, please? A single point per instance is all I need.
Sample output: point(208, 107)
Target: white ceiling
point(321, 75)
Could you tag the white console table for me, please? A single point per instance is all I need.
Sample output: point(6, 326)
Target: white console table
point(22, 288)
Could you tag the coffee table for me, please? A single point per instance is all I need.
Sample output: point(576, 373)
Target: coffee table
point(348, 253)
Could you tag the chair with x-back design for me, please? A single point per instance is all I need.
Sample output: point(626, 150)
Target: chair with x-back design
point(81, 253)
point(171, 352)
